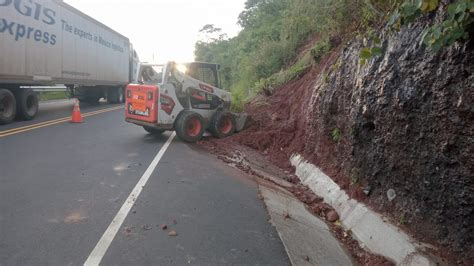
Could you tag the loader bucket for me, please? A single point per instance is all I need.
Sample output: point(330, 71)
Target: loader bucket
point(240, 121)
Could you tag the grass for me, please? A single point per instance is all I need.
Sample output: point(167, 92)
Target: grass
point(52, 95)
point(286, 75)
point(320, 49)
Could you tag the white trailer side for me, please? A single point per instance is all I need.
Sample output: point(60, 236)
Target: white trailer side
point(49, 42)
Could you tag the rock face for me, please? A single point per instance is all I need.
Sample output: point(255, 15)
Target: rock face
point(404, 121)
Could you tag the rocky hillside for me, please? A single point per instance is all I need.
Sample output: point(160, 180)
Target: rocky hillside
point(403, 124)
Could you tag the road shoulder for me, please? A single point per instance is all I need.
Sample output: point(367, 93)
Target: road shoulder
point(307, 239)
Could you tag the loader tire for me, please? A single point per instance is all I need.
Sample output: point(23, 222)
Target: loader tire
point(27, 103)
point(7, 106)
point(189, 126)
point(222, 124)
point(154, 131)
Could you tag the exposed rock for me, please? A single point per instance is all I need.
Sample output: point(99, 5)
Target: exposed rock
point(406, 122)
point(391, 194)
point(332, 216)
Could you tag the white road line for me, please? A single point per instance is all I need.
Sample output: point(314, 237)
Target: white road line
point(99, 251)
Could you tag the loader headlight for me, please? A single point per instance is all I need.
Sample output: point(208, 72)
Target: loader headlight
point(181, 68)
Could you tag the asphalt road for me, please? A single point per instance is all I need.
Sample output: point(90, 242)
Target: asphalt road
point(63, 185)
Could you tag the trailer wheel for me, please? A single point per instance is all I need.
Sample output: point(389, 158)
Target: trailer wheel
point(222, 124)
point(90, 95)
point(115, 95)
point(154, 131)
point(92, 100)
point(189, 126)
point(27, 103)
point(121, 98)
point(7, 106)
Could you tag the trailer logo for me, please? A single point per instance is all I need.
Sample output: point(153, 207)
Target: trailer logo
point(35, 11)
point(32, 9)
point(20, 31)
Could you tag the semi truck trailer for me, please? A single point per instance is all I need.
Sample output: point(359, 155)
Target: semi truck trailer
point(48, 42)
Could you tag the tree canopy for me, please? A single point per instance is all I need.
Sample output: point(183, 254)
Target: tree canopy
point(272, 31)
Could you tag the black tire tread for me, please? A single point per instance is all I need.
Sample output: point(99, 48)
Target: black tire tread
point(214, 124)
point(21, 102)
point(113, 95)
point(180, 126)
point(6, 120)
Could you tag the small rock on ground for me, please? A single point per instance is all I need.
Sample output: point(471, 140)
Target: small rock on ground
point(332, 216)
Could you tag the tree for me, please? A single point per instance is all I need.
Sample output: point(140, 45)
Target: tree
point(212, 34)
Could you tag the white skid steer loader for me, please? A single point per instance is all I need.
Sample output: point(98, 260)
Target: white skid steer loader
point(181, 97)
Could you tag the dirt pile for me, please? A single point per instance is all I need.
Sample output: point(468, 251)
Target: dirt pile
point(404, 123)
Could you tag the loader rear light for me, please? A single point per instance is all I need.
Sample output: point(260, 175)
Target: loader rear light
point(150, 95)
point(129, 93)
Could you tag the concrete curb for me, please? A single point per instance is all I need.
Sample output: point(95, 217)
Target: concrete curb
point(371, 230)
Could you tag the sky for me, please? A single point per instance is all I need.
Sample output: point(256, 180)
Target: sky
point(163, 30)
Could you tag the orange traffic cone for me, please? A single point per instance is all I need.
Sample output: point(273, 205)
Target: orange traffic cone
point(76, 114)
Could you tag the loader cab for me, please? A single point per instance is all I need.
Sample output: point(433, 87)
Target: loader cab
point(150, 74)
point(205, 72)
point(200, 90)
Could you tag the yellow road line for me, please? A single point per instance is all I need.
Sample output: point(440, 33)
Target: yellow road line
point(29, 126)
point(53, 122)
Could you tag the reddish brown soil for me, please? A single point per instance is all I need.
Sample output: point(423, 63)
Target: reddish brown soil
point(278, 127)
point(403, 122)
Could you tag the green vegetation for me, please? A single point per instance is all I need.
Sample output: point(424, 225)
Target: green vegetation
point(284, 75)
point(336, 134)
point(320, 49)
point(265, 53)
point(453, 28)
point(402, 220)
point(52, 95)
point(444, 33)
point(354, 176)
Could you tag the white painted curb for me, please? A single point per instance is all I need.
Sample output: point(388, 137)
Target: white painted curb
point(367, 226)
